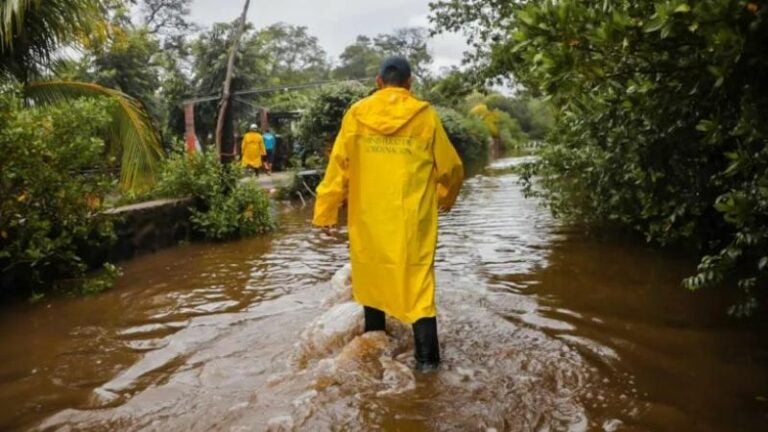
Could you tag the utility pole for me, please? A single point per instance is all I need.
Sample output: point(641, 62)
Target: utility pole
point(226, 95)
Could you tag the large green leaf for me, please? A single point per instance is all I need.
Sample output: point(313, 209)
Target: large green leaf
point(32, 30)
point(132, 132)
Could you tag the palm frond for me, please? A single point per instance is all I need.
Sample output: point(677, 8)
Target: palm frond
point(11, 20)
point(32, 30)
point(132, 132)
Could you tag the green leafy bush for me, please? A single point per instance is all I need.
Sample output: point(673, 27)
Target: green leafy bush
point(511, 135)
point(468, 135)
point(451, 89)
point(534, 117)
point(224, 206)
point(198, 175)
point(51, 192)
point(242, 212)
point(321, 121)
point(99, 281)
point(661, 122)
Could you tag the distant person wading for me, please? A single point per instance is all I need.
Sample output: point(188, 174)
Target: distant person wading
point(270, 142)
point(392, 161)
point(253, 150)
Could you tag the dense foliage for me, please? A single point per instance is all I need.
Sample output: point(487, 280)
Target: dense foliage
point(534, 116)
point(126, 61)
point(519, 120)
point(51, 190)
point(468, 135)
point(292, 55)
point(168, 18)
point(280, 54)
point(511, 135)
point(31, 32)
point(661, 124)
point(321, 120)
point(516, 120)
point(224, 206)
point(361, 59)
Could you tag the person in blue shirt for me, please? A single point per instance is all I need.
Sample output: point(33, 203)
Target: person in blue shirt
point(270, 142)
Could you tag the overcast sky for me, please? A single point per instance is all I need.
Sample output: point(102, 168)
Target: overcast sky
point(336, 23)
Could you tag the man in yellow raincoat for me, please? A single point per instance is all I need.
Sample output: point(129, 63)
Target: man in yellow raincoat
point(491, 121)
point(392, 161)
point(252, 149)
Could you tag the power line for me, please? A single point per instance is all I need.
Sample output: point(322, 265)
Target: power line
point(273, 89)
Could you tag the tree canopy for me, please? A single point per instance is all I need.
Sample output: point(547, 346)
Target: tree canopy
point(359, 60)
point(362, 58)
point(167, 17)
point(291, 54)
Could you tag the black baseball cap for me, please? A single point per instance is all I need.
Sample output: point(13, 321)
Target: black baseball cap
point(398, 64)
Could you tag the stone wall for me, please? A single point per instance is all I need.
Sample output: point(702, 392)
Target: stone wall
point(149, 226)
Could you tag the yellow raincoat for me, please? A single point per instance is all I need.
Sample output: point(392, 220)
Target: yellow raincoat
point(253, 149)
point(490, 118)
point(393, 162)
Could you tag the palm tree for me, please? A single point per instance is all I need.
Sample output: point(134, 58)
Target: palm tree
point(31, 32)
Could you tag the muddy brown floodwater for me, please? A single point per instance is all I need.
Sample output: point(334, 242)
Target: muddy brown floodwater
point(542, 329)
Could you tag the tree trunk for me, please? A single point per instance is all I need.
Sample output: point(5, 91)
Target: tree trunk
point(225, 97)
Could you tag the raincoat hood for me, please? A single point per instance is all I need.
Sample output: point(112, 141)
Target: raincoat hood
point(388, 110)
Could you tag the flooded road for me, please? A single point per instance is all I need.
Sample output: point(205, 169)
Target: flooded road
point(542, 329)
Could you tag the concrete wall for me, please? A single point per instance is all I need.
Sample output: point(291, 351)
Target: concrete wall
point(149, 226)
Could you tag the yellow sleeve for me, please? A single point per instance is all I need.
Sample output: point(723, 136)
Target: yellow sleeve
point(450, 171)
point(332, 191)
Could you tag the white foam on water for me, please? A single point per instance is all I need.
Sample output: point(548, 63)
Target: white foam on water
point(350, 371)
point(329, 332)
point(341, 287)
point(335, 351)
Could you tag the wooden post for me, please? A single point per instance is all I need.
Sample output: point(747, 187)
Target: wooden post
point(189, 127)
point(225, 97)
point(263, 119)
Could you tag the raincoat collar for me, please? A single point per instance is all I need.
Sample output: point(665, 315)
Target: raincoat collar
point(389, 109)
point(393, 89)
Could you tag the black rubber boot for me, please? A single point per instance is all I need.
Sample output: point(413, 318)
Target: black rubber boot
point(374, 319)
point(427, 348)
